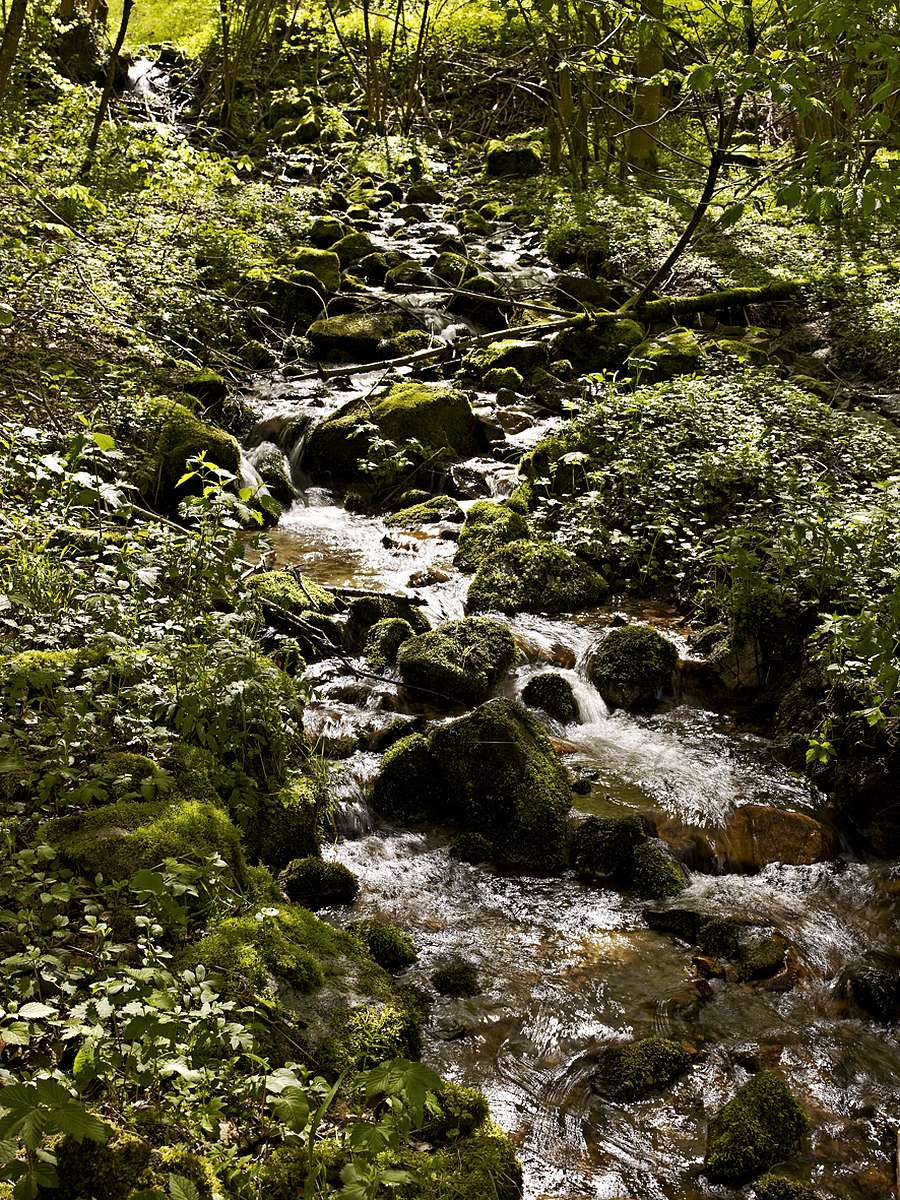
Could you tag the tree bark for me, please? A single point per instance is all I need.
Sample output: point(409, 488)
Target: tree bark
point(9, 47)
point(642, 150)
point(106, 94)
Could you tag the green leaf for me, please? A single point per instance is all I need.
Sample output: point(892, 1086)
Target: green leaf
point(181, 1188)
point(75, 1120)
point(291, 1107)
point(35, 1011)
point(103, 441)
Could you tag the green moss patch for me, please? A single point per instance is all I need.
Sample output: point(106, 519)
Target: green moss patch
point(761, 1125)
point(529, 576)
point(486, 527)
point(457, 663)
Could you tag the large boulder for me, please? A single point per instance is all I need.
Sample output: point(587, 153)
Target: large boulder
point(552, 693)
point(531, 576)
point(457, 663)
point(436, 416)
point(323, 264)
point(630, 666)
point(620, 848)
point(176, 435)
point(675, 353)
point(355, 336)
point(513, 157)
point(761, 1125)
point(524, 355)
point(486, 527)
point(493, 771)
point(505, 782)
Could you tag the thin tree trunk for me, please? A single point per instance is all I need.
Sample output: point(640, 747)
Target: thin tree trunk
point(103, 108)
point(642, 152)
point(9, 47)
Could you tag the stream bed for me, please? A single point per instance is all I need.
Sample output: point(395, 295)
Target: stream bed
point(567, 967)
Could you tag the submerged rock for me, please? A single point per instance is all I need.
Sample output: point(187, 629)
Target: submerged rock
point(529, 576)
point(436, 416)
point(456, 977)
point(631, 666)
point(873, 982)
point(759, 834)
point(761, 1125)
point(635, 1070)
point(553, 693)
point(457, 663)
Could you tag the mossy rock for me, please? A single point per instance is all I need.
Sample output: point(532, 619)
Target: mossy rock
point(453, 268)
point(126, 1167)
point(317, 884)
point(656, 873)
point(634, 1070)
point(482, 1166)
point(388, 945)
point(371, 1034)
point(324, 264)
point(525, 356)
point(384, 640)
point(436, 416)
point(780, 1187)
point(578, 244)
point(272, 465)
point(353, 247)
point(539, 577)
point(873, 982)
point(355, 336)
point(35, 674)
point(422, 192)
point(513, 158)
point(410, 274)
point(631, 666)
point(207, 386)
point(430, 512)
point(325, 231)
point(460, 662)
point(504, 781)
point(176, 434)
point(366, 611)
point(487, 526)
point(283, 825)
point(603, 847)
point(117, 840)
point(597, 346)
point(374, 267)
point(500, 379)
point(293, 592)
point(409, 784)
point(470, 848)
point(456, 977)
point(284, 945)
point(480, 306)
point(760, 1126)
point(553, 693)
point(671, 354)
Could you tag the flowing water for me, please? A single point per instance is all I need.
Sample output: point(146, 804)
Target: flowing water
point(567, 967)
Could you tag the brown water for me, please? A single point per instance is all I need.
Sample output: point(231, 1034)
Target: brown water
point(566, 967)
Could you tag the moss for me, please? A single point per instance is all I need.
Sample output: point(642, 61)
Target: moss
point(207, 386)
point(410, 273)
point(324, 264)
point(779, 1187)
point(761, 1125)
point(486, 527)
point(125, 1167)
point(462, 1111)
point(293, 592)
point(524, 355)
point(284, 825)
point(631, 665)
point(457, 663)
point(384, 640)
point(521, 498)
point(578, 244)
point(453, 268)
point(373, 1034)
point(355, 335)
point(482, 1166)
point(388, 945)
point(597, 346)
point(119, 839)
point(176, 435)
point(635, 1070)
point(553, 693)
point(438, 417)
point(603, 847)
point(656, 873)
point(274, 470)
point(409, 783)
point(352, 247)
point(761, 954)
point(34, 674)
point(505, 782)
point(409, 342)
point(513, 158)
point(675, 353)
point(325, 231)
point(317, 884)
point(470, 848)
point(366, 611)
point(528, 576)
point(438, 508)
point(456, 977)
point(374, 267)
point(256, 952)
point(499, 378)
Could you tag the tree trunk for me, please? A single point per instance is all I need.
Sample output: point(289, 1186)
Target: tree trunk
point(642, 153)
point(103, 108)
point(9, 47)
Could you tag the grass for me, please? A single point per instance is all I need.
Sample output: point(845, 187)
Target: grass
point(187, 24)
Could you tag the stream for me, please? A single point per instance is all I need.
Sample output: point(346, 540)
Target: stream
point(565, 966)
